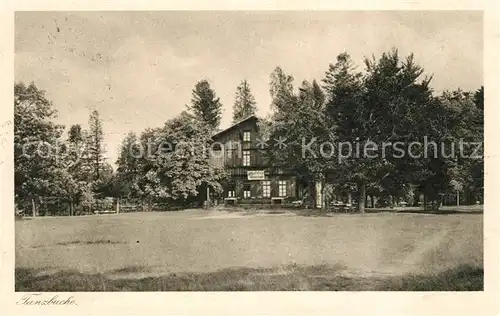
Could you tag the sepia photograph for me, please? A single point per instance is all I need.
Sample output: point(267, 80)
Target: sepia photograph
point(160, 151)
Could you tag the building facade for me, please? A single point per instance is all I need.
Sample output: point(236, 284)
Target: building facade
point(252, 179)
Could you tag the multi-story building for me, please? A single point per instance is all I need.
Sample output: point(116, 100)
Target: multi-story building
point(252, 179)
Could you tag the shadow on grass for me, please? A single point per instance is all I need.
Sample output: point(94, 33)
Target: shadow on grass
point(329, 213)
point(316, 213)
point(288, 278)
point(252, 211)
point(79, 242)
point(90, 242)
point(442, 212)
point(132, 269)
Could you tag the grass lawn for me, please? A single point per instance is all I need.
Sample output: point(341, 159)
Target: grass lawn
point(217, 251)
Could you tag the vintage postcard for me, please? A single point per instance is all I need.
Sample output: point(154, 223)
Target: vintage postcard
point(249, 160)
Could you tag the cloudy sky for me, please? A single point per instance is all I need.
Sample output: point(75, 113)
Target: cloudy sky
point(138, 68)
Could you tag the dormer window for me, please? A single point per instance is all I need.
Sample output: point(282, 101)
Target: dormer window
point(246, 136)
point(217, 146)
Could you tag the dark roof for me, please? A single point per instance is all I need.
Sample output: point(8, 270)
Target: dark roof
point(235, 125)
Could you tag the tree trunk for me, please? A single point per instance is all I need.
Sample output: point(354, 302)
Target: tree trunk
point(312, 194)
point(416, 198)
point(349, 198)
point(466, 197)
point(372, 200)
point(323, 198)
point(436, 203)
point(208, 196)
point(150, 205)
point(458, 198)
point(362, 197)
point(33, 207)
point(117, 205)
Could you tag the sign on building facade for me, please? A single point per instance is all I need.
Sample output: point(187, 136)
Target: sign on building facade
point(255, 175)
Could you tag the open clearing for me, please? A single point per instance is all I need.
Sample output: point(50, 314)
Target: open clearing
point(214, 250)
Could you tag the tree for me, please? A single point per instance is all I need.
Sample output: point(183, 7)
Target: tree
point(76, 192)
point(47, 166)
point(79, 166)
point(75, 134)
point(190, 168)
point(105, 186)
point(178, 166)
point(344, 87)
point(295, 119)
point(127, 173)
point(479, 98)
point(205, 105)
point(95, 148)
point(344, 107)
point(73, 177)
point(36, 138)
point(147, 178)
point(465, 124)
point(244, 104)
point(389, 104)
point(399, 107)
point(318, 95)
point(281, 90)
point(477, 168)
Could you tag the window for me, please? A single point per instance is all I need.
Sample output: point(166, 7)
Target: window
point(246, 158)
point(266, 188)
point(247, 193)
point(217, 146)
point(246, 136)
point(282, 188)
point(230, 194)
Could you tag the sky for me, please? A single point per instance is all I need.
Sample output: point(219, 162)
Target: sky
point(138, 68)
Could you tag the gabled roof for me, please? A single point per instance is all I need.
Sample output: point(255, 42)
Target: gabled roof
point(235, 125)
